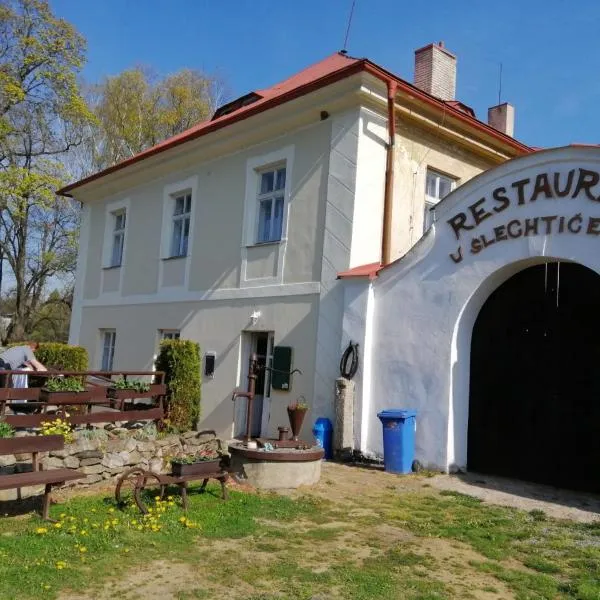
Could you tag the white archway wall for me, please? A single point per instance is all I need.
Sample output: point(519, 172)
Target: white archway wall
point(426, 304)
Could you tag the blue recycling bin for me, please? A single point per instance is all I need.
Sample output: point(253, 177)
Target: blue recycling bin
point(398, 439)
point(323, 432)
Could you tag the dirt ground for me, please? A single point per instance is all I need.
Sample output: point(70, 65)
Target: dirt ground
point(358, 488)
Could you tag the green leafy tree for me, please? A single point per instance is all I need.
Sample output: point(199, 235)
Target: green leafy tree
point(137, 110)
point(42, 117)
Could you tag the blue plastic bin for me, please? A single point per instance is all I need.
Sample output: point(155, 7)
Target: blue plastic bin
point(323, 432)
point(398, 439)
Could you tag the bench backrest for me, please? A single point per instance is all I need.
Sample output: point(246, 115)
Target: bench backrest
point(31, 443)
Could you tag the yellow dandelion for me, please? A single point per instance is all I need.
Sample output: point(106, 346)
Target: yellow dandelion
point(111, 510)
point(83, 532)
point(62, 515)
point(41, 530)
point(182, 519)
point(82, 549)
point(57, 525)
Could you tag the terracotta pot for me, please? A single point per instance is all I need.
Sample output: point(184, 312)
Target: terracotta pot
point(296, 417)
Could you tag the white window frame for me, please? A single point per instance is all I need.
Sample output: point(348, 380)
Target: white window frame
point(182, 221)
point(109, 335)
point(255, 167)
point(112, 210)
point(169, 334)
point(170, 193)
point(270, 197)
point(118, 237)
point(431, 201)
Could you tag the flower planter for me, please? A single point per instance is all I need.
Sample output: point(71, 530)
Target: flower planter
point(66, 397)
point(296, 417)
point(203, 467)
point(19, 393)
point(156, 389)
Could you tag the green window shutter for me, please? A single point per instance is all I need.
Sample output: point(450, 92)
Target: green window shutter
point(282, 365)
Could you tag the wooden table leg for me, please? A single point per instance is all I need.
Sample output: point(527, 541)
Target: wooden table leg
point(46, 502)
point(223, 481)
point(203, 486)
point(184, 498)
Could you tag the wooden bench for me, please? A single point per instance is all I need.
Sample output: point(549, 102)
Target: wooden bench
point(34, 445)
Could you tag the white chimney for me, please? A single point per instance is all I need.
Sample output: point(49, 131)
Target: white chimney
point(502, 118)
point(435, 71)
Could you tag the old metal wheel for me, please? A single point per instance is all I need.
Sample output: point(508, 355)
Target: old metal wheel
point(130, 487)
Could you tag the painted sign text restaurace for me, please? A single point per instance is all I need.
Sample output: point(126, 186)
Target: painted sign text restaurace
point(525, 191)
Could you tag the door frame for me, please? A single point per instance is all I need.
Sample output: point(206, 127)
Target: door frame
point(247, 346)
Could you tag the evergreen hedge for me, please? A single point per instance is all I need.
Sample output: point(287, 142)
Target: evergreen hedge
point(62, 356)
point(180, 360)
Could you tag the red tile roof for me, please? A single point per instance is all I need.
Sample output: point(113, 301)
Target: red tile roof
point(333, 68)
point(361, 271)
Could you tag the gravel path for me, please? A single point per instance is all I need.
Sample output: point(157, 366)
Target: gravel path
point(561, 504)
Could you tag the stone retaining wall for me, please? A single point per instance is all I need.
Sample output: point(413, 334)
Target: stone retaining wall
point(102, 455)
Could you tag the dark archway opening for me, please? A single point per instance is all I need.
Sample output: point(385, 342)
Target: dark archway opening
point(534, 405)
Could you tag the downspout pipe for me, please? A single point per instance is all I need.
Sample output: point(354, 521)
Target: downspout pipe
point(386, 235)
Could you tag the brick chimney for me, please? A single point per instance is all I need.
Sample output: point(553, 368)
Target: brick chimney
point(502, 118)
point(435, 71)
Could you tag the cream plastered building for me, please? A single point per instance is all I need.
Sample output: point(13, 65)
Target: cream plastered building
point(233, 233)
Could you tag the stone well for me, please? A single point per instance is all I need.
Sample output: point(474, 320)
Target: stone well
point(281, 468)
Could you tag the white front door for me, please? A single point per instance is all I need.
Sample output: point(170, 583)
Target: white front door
point(261, 344)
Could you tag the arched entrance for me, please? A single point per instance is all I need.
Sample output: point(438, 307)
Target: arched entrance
point(534, 406)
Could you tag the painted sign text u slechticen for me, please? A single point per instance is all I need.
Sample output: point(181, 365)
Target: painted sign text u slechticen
point(520, 193)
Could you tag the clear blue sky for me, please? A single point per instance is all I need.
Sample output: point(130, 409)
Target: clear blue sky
point(549, 48)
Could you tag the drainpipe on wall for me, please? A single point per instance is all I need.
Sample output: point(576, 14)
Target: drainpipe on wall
point(386, 236)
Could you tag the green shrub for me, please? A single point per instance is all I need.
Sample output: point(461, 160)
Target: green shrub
point(137, 385)
point(62, 356)
point(64, 384)
point(6, 431)
point(180, 360)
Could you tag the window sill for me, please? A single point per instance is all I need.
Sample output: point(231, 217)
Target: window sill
point(175, 257)
point(110, 268)
point(256, 244)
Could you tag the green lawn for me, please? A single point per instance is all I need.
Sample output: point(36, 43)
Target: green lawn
point(374, 542)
